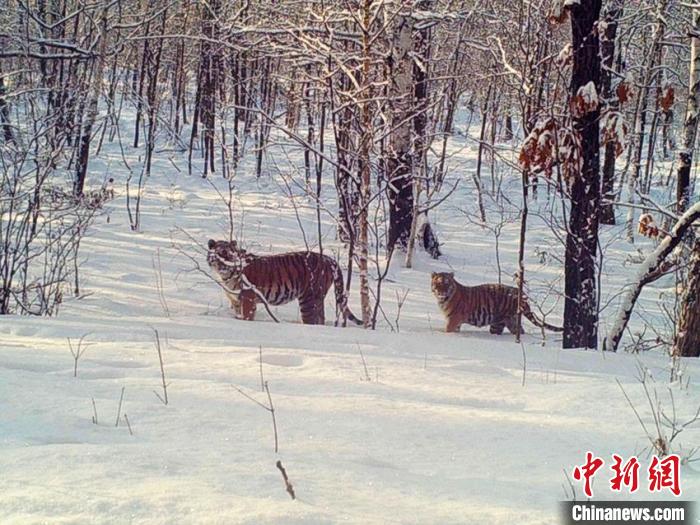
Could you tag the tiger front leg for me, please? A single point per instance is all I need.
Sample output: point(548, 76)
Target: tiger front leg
point(235, 303)
point(248, 305)
point(453, 325)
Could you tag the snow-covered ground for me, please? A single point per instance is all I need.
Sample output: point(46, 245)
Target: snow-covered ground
point(414, 426)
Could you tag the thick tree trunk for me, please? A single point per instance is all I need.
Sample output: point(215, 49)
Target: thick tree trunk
point(421, 49)
point(687, 343)
point(152, 95)
point(400, 155)
point(685, 155)
point(581, 307)
point(91, 114)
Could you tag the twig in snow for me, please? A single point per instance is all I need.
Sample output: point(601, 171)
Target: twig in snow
point(77, 352)
point(287, 485)
point(262, 379)
point(272, 413)
point(270, 408)
point(164, 397)
point(119, 408)
point(400, 300)
point(660, 444)
point(94, 411)
point(364, 364)
point(158, 271)
point(571, 487)
point(126, 418)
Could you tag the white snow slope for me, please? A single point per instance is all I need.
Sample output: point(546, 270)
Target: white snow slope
point(438, 428)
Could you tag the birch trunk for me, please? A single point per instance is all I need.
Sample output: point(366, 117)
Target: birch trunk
point(400, 151)
point(365, 167)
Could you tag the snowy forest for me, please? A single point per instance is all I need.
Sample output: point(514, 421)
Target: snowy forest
point(184, 181)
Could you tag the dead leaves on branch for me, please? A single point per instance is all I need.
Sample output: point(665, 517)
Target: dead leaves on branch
point(550, 144)
point(585, 101)
point(623, 92)
point(647, 226)
point(667, 99)
point(613, 130)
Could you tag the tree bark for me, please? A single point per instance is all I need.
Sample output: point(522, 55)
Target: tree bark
point(365, 167)
point(690, 126)
point(5, 113)
point(581, 307)
point(612, 15)
point(91, 114)
point(400, 155)
point(687, 342)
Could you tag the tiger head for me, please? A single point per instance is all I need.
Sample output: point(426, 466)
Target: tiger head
point(225, 257)
point(443, 284)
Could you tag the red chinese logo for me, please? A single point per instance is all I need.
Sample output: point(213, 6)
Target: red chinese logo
point(587, 471)
point(627, 474)
point(665, 473)
point(662, 474)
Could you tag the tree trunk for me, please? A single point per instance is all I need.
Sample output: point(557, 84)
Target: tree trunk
point(365, 167)
point(685, 155)
point(421, 48)
point(91, 114)
point(5, 113)
point(400, 158)
point(687, 342)
point(612, 15)
point(581, 307)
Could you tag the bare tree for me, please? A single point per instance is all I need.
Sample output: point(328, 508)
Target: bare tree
point(580, 307)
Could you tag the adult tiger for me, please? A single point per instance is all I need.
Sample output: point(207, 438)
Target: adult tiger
point(249, 279)
point(495, 305)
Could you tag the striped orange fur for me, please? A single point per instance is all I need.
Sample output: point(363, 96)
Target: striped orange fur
point(250, 279)
point(495, 305)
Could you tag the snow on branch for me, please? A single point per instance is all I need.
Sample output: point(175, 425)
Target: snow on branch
point(647, 269)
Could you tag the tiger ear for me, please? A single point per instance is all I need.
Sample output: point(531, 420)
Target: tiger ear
point(432, 274)
point(451, 275)
point(211, 244)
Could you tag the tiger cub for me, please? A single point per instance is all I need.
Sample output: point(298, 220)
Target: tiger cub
point(278, 279)
point(495, 305)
